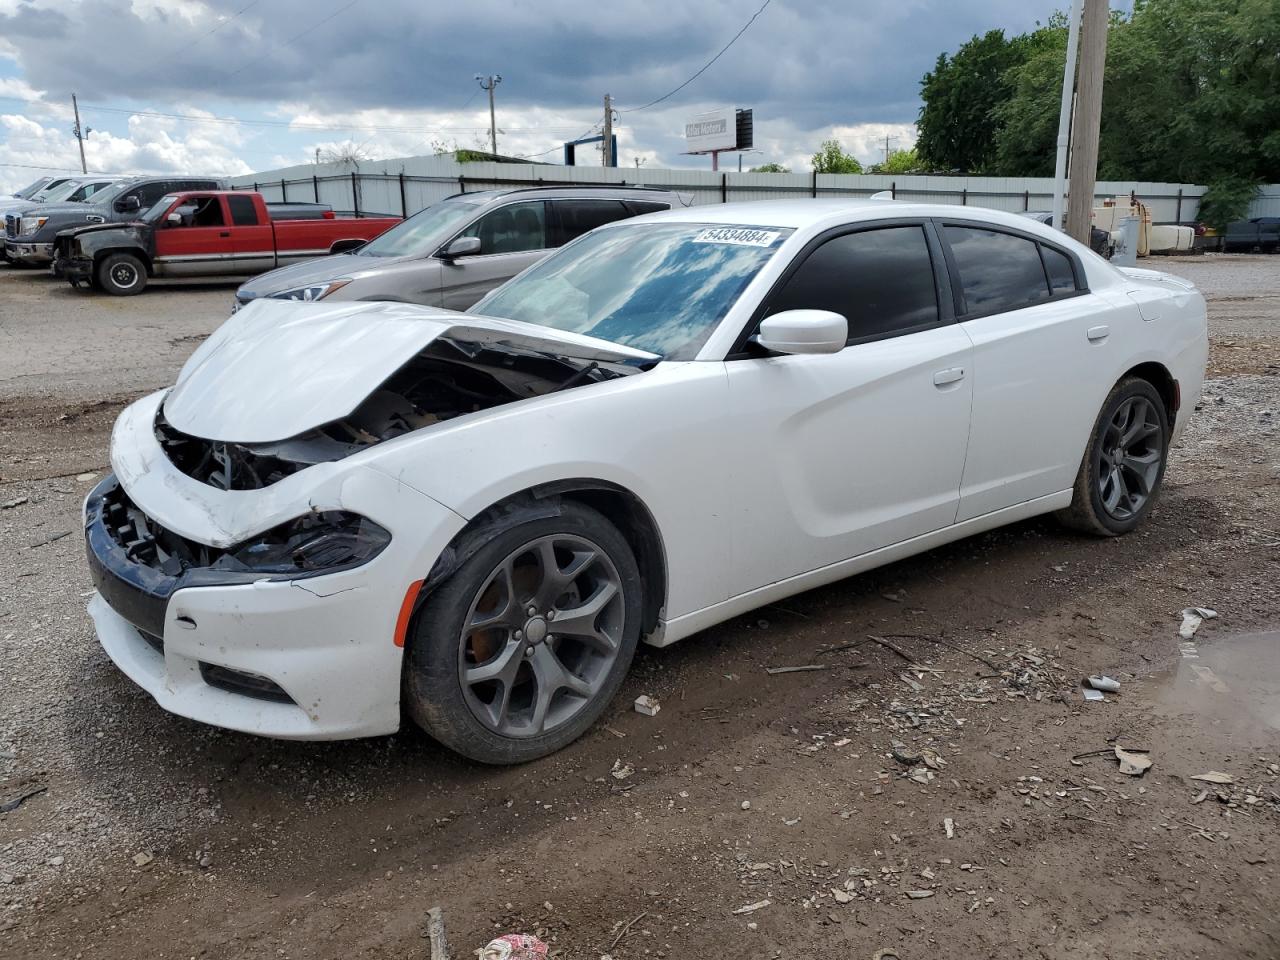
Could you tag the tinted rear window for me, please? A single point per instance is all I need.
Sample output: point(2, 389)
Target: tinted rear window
point(998, 271)
point(243, 212)
point(1062, 279)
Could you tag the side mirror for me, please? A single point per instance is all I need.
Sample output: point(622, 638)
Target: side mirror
point(461, 247)
point(804, 331)
point(174, 219)
point(128, 204)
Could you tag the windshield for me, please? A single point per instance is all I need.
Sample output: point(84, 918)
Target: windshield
point(31, 189)
point(62, 192)
point(107, 194)
point(422, 234)
point(161, 205)
point(660, 287)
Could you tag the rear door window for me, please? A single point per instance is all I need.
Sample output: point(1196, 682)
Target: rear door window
point(576, 217)
point(998, 271)
point(880, 280)
point(515, 228)
point(243, 212)
point(1062, 278)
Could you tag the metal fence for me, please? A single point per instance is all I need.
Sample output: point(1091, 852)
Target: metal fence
point(405, 186)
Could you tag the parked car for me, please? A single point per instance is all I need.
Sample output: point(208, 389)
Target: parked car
point(24, 198)
point(77, 189)
point(1245, 236)
point(203, 234)
point(343, 511)
point(454, 252)
point(28, 237)
point(1099, 239)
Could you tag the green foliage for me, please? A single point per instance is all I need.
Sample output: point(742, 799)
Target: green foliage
point(900, 162)
point(957, 125)
point(1226, 200)
point(1191, 94)
point(831, 158)
point(770, 168)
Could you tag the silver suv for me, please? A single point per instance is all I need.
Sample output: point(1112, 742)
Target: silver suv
point(454, 252)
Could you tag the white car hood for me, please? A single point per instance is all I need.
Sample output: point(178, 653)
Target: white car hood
point(278, 368)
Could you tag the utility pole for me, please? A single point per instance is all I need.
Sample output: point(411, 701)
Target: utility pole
point(606, 147)
point(887, 138)
point(1064, 117)
point(80, 135)
point(1084, 132)
point(488, 83)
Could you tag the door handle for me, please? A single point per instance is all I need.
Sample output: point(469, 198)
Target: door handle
point(225, 233)
point(950, 375)
point(1099, 333)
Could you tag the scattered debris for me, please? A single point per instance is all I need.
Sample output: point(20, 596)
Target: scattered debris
point(142, 859)
point(1132, 764)
point(513, 946)
point(647, 705)
point(625, 927)
point(1091, 694)
point(13, 803)
point(919, 894)
point(1200, 797)
point(774, 671)
point(746, 804)
point(950, 826)
point(841, 896)
point(621, 770)
point(1214, 776)
point(85, 477)
point(15, 502)
point(52, 538)
point(886, 954)
point(1103, 683)
point(1192, 617)
point(900, 752)
point(752, 907)
point(435, 933)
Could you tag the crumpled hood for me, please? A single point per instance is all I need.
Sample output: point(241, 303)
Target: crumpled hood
point(279, 368)
point(304, 274)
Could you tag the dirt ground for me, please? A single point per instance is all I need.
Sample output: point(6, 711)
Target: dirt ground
point(943, 791)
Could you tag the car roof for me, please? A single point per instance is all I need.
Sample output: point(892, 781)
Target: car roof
point(569, 191)
point(805, 213)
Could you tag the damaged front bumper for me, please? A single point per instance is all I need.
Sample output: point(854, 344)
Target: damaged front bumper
point(24, 252)
point(256, 652)
point(75, 269)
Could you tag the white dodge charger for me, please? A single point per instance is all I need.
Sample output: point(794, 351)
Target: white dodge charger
point(343, 513)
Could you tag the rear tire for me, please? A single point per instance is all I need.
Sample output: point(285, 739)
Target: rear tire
point(1120, 474)
point(121, 274)
point(520, 650)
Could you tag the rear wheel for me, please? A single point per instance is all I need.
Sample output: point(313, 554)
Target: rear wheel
point(522, 648)
point(121, 274)
point(1122, 469)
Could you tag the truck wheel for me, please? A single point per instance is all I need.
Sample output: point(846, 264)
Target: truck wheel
point(122, 274)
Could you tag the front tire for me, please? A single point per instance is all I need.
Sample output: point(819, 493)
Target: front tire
point(1122, 468)
point(122, 275)
point(520, 650)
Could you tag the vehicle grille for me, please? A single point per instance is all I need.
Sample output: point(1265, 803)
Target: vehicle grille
point(11, 226)
point(147, 542)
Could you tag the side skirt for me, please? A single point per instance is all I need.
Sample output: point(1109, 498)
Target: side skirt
point(682, 626)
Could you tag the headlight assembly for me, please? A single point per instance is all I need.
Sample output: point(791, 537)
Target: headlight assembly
point(322, 542)
point(314, 291)
point(31, 224)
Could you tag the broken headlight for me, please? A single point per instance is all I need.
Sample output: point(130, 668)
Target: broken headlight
point(316, 543)
point(312, 291)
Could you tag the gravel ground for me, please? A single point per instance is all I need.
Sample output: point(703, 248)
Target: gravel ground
point(156, 837)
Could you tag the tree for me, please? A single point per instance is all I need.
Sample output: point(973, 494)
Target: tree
point(831, 158)
point(957, 125)
point(900, 162)
point(769, 168)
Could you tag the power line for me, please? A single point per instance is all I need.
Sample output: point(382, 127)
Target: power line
point(297, 36)
point(222, 23)
point(705, 66)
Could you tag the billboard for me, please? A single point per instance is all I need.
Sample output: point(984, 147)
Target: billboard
point(715, 130)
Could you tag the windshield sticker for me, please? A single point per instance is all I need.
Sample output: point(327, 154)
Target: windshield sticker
point(742, 236)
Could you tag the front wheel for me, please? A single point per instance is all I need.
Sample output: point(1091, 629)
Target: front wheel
point(1122, 469)
point(121, 274)
point(521, 649)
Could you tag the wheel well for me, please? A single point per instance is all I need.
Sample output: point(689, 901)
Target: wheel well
point(623, 508)
point(132, 251)
point(1159, 377)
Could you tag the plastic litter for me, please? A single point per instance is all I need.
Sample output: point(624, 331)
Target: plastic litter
point(647, 705)
point(1103, 683)
point(1192, 617)
point(514, 946)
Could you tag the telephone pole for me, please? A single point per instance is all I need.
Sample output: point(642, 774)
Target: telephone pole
point(887, 138)
point(79, 134)
point(606, 146)
point(488, 83)
point(1084, 131)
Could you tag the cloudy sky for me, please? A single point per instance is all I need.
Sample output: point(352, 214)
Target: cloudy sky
point(234, 86)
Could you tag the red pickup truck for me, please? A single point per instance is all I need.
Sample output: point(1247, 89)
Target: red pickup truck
point(204, 234)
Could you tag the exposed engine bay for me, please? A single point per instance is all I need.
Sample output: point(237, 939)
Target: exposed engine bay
point(448, 379)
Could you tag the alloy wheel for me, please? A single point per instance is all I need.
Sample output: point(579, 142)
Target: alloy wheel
point(1130, 458)
point(541, 635)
